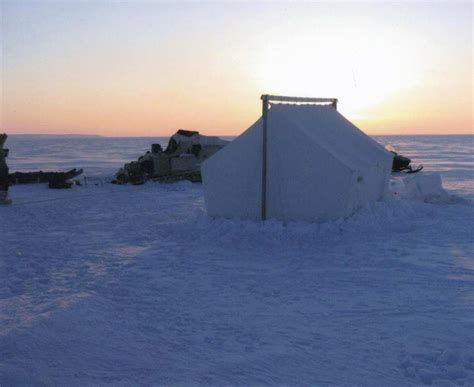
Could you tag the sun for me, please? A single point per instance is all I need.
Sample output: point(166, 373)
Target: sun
point(361, 77)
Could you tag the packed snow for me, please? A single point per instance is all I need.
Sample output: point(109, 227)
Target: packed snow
point(120, 285)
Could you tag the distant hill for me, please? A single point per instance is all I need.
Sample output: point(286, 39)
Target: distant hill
point(53, 135)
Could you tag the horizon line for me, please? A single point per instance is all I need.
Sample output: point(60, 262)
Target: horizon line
point(215, 135)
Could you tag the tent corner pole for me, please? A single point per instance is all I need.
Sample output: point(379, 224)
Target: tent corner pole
point(264, 157)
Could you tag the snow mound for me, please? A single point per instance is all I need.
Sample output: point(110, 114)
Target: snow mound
point(424, 187)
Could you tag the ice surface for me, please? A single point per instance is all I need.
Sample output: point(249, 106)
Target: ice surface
point(100, 157)
point(120, 285)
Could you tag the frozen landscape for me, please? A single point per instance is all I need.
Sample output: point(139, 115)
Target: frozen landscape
point(120, 285)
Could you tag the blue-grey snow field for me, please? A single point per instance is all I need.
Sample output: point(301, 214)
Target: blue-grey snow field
point(135, 285)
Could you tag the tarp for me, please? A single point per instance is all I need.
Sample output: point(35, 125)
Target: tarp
point(319, 167)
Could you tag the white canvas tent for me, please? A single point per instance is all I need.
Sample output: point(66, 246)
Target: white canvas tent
point(309, 163)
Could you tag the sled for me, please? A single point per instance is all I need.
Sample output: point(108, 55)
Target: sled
point(42, 177)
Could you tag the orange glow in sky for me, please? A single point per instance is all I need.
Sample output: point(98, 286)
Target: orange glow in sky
point(150, 68)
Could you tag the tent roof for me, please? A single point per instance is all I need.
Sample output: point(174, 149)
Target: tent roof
point(325, 126)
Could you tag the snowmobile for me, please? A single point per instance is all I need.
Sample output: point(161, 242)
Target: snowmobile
point(402, 163)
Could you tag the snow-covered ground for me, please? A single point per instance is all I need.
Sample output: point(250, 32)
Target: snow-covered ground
point(125, 285)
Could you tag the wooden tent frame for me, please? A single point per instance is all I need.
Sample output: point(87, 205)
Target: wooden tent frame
point(266, 99)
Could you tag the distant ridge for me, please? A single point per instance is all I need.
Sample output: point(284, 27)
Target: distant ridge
point(52, 135)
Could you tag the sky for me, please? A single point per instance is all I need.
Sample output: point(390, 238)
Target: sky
point(148, 68)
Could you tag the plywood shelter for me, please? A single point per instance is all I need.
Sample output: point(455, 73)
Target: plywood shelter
point(297, 162)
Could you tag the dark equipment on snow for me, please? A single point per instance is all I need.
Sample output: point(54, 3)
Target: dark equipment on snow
point(4, 183)
point(402, 163)
point(52, 178)
point(181, 160)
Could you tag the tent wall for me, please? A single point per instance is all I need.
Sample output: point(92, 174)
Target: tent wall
point(368, 185)
point(232, 177)
point(307, 182)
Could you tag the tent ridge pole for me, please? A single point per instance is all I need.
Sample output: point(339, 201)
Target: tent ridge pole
point(264, 157)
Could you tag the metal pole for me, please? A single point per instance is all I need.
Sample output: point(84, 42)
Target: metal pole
point(264, 156)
